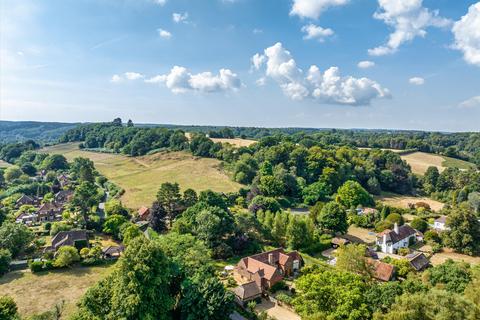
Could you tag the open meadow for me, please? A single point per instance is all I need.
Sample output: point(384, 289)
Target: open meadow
point(36, 293)
point(142, 176)
point(237, 142)
point(420, 161)
point(401, 201)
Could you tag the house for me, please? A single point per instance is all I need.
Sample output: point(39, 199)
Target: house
point(112, 252)
point(418, 261)
point(366, 211)
point(382, 271)
point(64, 196)
point(270, 267)
point(74, 238)
point(25, 200)
point(49, 211)
point(25, 218)
point(390, 241)
point(247, 292)
point(143, 213)
point(338, 241)
point(440, 224)
point(64, 180)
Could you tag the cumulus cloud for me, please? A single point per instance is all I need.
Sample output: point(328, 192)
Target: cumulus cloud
point(180, 17)
point(418, 81)
point(366, 64)
point(164, 33)
point(160, 2)
point(409, 19)
point(467, 35)
point(327, 87)
point(180, 80)
point(316, 32)
point(470, 103)
point(314, 8)
point(126, 76)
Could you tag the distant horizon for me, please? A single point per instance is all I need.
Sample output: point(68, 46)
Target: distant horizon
point(124, 120)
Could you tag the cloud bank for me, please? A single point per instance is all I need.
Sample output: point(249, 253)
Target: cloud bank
point(314, 8)
point(180, 80)
point(409, 19)
point(328, 87)
point(467, 35)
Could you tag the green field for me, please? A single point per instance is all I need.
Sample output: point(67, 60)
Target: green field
point(36, 293)
point(142, 176)
point(457, 163)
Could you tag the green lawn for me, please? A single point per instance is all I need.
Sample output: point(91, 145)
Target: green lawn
point(36, 293)
point(457, 163)
point(142, 176)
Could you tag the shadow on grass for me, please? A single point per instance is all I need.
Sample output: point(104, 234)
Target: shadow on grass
point(12, 276)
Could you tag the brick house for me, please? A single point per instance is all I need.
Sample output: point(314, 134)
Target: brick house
point(268, 268)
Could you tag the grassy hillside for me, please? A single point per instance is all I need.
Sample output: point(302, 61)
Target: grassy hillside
point(39, 131)
point(420, 161)
point(142, 176)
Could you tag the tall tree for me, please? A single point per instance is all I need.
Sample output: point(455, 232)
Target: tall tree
point(464, 233)
point(333, 217)
point(170, 199)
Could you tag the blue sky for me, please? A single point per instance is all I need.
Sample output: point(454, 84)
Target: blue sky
point(88, 60)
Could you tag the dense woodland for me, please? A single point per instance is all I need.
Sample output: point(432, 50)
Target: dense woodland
point(172, 264)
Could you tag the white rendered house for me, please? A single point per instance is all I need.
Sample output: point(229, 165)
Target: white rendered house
point(390, 241)
point(440, 224)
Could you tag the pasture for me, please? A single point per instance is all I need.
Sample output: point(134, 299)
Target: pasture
point(142, 176)
point(401, 201)
point(237, 142)
point(420, 161)
point(36, 293)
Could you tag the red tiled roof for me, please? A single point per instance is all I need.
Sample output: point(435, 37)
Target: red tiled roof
point(143, 211)
point(381, 270)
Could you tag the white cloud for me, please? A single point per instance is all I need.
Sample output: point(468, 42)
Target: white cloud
point(316, 32)
point(160, 2)
point(261, 81)
point(116, 78)
point(328, 87)
point(257, 60)
point(416, 81)
point(164, 33)
point(180, 80)
point(133, 75)
point(470, 103)
point(314, 8)
point(409, 19)
point(467, 35)
point(366, 64)
point(180, 17)
point(126, 76)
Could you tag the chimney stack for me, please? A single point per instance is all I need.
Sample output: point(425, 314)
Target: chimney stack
point(395, 227)
point(270, 259)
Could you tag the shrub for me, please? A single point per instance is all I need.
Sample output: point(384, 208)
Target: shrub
point(5, 259)
point(36, 266)
point(66, 256)
point(395, 218)
point(419, 224)
point(281, 285)
point(431, 235)
point(403, 251)
point(284, 298)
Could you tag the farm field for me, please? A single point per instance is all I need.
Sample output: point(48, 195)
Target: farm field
point(142, 176)
point(236, 142)
point(36, 293)
point(420, 161)
point(441, 257)
point(401, 201)
point(4, 164)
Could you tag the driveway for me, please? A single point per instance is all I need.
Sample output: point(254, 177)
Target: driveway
point(275, 311)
